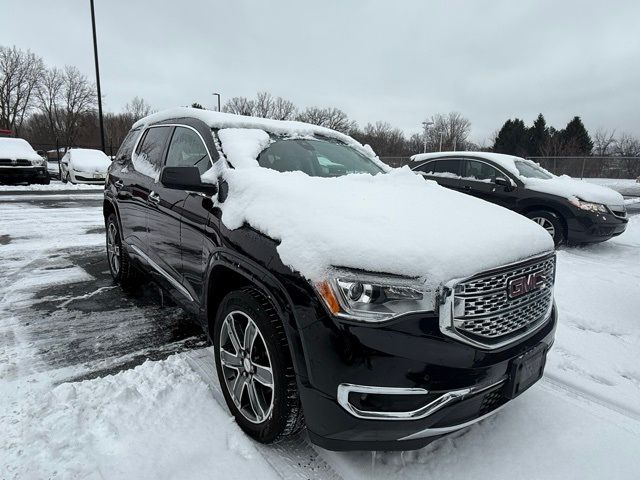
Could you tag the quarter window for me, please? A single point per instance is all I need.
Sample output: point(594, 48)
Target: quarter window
point(187, 150)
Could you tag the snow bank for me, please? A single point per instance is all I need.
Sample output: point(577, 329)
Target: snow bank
point(391, 223)
point(288, 128)
point(563, 186)
point(88, 160)
point(15, 148)
point(158, 420)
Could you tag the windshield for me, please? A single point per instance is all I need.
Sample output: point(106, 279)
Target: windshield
point(531, 170)
point(316, 158)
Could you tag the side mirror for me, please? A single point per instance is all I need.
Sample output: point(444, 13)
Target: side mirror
point(503, 182)
point(186, 178)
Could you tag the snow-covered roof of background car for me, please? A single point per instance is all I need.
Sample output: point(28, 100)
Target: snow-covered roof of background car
point(505, 161)
point(291, 128)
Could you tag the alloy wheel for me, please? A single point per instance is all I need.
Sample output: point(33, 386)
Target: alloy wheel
point(247, 367)
point(546, 224)
point(113, 248)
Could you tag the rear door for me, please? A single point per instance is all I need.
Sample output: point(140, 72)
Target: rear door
point(446, 171)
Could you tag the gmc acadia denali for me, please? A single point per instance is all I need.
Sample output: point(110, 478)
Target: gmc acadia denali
point(332, 302)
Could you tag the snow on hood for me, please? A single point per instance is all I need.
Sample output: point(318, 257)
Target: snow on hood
point(394, 223)
point(563, 186)
point(15, 148)
point(88, 160)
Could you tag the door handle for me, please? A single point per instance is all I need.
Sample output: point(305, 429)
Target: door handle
point(154, 197)
point(119, 183)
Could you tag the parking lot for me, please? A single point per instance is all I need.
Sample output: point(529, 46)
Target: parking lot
point(73, 375)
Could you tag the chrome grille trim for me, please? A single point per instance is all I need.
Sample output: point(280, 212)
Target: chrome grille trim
point(478, 310)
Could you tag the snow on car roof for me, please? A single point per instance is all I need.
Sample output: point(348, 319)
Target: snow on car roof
point(15, 148)
point(221, 120)
point(505, 161)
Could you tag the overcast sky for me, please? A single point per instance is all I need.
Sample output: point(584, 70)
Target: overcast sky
point(398, 61)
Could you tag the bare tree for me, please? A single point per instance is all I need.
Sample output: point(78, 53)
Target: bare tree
point(333, 118)
point(137, 108)
point(283, 109)
point(48, 94)
point(604, 142)
point(20, 73)
point(263, 105)
point(385, 139)
point(629, 147)
point(450, 131)
point(239, 106)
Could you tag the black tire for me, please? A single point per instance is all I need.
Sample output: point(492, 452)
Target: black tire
point(551, 222)
point(285, 417)
point(123, 272)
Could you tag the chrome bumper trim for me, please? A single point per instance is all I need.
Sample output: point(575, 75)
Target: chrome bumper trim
point(344, 389)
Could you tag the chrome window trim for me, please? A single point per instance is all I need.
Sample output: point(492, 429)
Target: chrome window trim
point(450, 157)
point(344, 389)
point(162, 272)
point(446, 311)
point(149, 127)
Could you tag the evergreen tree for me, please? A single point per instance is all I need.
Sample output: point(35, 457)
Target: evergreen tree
point(538, 136)
point(512, 138)
point(197, 105)
point(576, 139)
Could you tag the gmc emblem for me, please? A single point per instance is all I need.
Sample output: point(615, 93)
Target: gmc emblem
point(523, 285)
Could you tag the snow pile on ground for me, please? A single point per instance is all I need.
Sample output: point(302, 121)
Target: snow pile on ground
point(243, 145)
point(54, 186)
point(88, 160)
point(364, 221)
point(15, 148)
point(158, 420)
point(563, 186)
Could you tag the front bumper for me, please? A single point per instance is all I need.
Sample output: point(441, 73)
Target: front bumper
point(588, 227)
point(463, 384)
point(23, 174)
point(89, 177)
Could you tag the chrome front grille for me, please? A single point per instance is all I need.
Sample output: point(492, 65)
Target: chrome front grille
point(7, 162)
point(497, 307)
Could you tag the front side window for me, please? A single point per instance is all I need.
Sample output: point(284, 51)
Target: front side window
point(187, 150)
point(316, 158)
point(152, 145)
point(481, 171)
point(126, 149)
point(531, 170)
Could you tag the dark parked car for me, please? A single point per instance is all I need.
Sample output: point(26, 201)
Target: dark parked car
point(19, 163)
point(571, 211)
point(372, 359)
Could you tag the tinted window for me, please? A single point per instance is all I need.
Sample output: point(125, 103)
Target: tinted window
point(187, 150)
point(317, 158)
point(481, 171)
point(152, 145)
point(531, 170)
point(447, 166)
point(126, 149)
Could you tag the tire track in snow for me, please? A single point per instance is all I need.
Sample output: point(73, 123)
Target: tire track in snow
point(294, 459)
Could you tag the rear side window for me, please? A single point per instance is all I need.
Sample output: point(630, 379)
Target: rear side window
point(152, 145)
point(187, 150)
point(447, 166)
point(480, 170)
point(126, 149)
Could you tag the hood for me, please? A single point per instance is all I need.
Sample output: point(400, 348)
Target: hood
point(395, 223)
point(87, 160)
point(15, 148)
point(565, 186)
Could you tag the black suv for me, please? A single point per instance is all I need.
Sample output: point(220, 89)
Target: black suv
point(571, 211)
point(364, 361)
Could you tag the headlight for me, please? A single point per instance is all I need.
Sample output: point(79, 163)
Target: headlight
point(588, 206)
point(373, 298)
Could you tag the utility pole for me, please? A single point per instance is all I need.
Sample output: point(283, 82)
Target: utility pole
point(217, 95)
point(441, 133)
point(426, 124)
point(95, 55)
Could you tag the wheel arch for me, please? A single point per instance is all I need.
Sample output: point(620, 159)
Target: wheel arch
point(551, 209)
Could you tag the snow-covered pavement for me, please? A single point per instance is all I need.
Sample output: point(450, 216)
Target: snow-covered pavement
point(76, 401)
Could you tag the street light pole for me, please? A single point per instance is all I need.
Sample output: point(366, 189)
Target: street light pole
point(441, 133)
point(217, 95)
point(95, 55)
point(426, 124)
